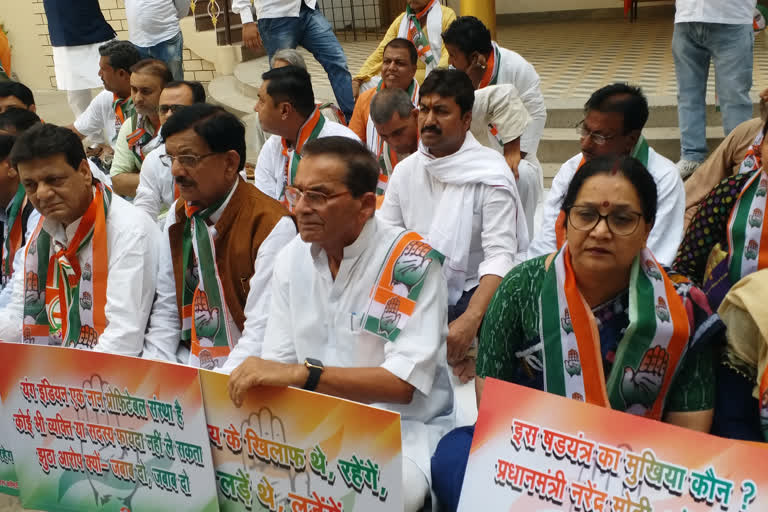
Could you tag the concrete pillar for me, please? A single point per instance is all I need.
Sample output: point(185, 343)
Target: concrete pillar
point(484, 10)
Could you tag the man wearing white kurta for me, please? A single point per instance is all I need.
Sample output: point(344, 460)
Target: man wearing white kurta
point(613, 122)
point(226, 275)
point(463, 197)
point(287, 109)
point(316, 336)
point(111, 316)
point(77, 28)
point(471, 50)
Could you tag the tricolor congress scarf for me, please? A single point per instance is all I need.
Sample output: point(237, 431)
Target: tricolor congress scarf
point(386, 156)
point(648, 355)
point(747, 229)
point(64, 302)
point(640, 152)
point(123, 109)
point(752, 161)
point(204, 310)
point(492, 68)
point(15, 237)
point(143, 138)
point(310, 130)
point(397, 288)
point(428, 42)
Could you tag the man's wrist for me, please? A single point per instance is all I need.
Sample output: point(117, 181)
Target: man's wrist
point(473, 317)
point(301, 374)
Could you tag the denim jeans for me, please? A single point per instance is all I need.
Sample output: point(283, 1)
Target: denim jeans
point(170, 52)
point(312, 31)
point(729, 47)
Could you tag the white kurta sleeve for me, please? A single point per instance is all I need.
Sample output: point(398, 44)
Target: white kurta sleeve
point(130, 290)
point(501, 106)
point(243, 8)
point(258, 301)
point(164, 334)
point(149, 194)
point(91, 122)
point(12, 315)
point(499, 242)
point(265, 176)
point(667, 232)
point(420, 348)
point(278, 344)
point(390, 211)
point(545, 241)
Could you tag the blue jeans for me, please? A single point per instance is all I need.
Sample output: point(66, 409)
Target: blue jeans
point(312, 31)
point(730, 48)
point(170, 52)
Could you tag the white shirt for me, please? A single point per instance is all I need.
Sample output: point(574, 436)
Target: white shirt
point(519, 72)
point(270, 8)
point(132, 251)
point(99, 118)
point(730, 12)
point(667, 232)
point(414, 195)
point(314, 315)
point(162, 341)
point(269, 176)
point(18, 258)
point(501, 106)
point(154, 194)
point(151, 22)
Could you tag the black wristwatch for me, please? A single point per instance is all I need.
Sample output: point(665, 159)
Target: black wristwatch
point(315, 368)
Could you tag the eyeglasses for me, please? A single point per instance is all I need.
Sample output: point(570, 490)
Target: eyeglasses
point(163, 109)
point(586, 218)
point(597, 138)
point(186, 161)
point(313, 198)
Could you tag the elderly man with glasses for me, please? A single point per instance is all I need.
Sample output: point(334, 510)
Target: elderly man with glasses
point(359, 308)
point(221, 240)
point(614, 117)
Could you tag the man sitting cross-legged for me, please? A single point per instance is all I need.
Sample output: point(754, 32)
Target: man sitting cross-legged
point(90, 266)
point(325, 334)
point(219, 248)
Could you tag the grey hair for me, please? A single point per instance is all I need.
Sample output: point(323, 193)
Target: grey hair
point(388, 101)
point(290, 56)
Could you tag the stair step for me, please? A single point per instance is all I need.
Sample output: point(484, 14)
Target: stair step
point(560, 144)
point(248, 75)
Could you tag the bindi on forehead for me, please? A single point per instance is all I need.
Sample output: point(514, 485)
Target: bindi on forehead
point(606, 204)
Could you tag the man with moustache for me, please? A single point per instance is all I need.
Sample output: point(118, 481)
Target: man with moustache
point(90, 266)
point(614, 117)
point(138, 135)
point(110, 108)
point(463, 197)
point(221, 239)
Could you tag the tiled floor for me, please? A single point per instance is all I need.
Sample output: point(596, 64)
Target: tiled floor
point(573, 58)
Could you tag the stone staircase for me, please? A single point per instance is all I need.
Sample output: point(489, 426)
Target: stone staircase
point(560, 141)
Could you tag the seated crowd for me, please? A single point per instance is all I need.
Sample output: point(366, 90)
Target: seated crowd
point(417, 263)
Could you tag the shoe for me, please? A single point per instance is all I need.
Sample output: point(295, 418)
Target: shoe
point(687, 167)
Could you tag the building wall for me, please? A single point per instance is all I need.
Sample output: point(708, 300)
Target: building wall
point(32, 56)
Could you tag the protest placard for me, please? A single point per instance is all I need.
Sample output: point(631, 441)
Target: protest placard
point(536, 451)
point(291, 450)
point(93, 431)
point(9, 484)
